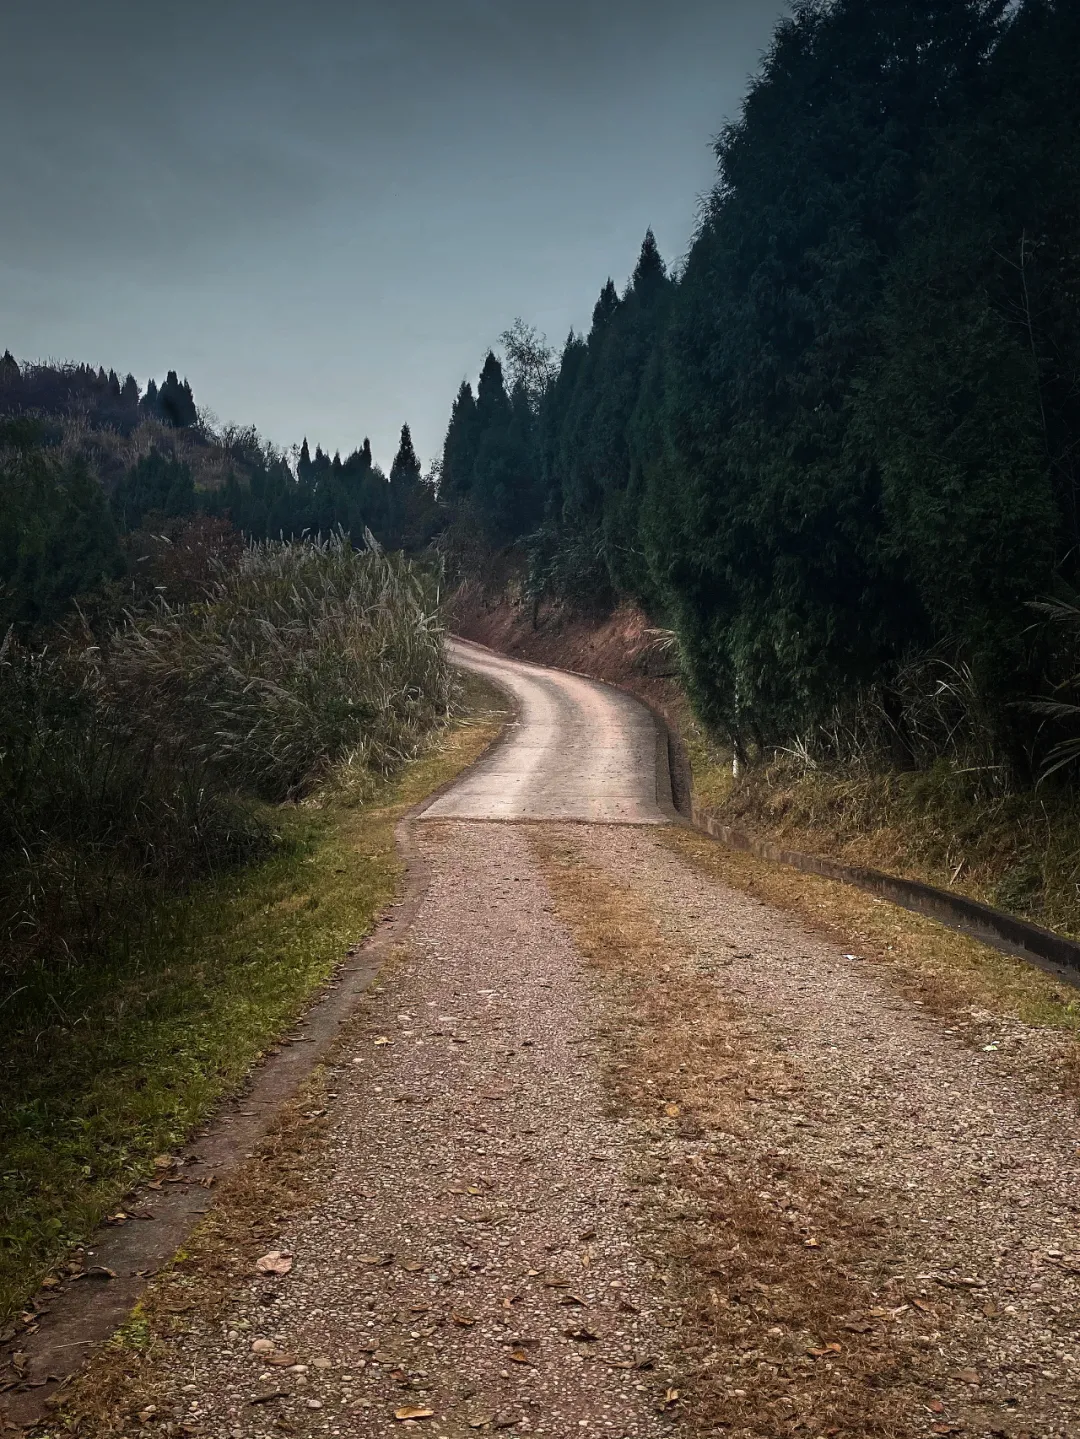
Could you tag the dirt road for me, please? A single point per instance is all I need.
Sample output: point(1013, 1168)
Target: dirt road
point(613, 1150)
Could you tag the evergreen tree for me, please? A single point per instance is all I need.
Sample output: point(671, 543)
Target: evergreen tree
point(304, 469)
point(405, 470)
point(176, 404)
point(58, 543)
point(149, 402)
point(460, 446)
point(769, 520)
point(157, 488)
point(404, 479)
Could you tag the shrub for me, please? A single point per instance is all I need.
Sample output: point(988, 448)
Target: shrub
point(138, 762)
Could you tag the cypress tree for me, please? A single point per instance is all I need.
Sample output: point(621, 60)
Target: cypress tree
point(459, 447)
point(304, 469)
point(176, 404)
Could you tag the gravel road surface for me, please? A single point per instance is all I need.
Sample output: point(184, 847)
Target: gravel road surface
point(476, 1263)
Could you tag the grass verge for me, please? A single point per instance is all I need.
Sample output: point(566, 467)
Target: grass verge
point(967, 983)
point(98, 1078)
point(1017, 851)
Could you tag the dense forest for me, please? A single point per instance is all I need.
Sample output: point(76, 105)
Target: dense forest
point(837, 450)
point(104, 486)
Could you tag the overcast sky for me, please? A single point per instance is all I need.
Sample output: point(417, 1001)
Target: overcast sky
point(324, 212)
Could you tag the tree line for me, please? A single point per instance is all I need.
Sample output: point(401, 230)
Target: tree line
point(98, 477)
point(837, 450)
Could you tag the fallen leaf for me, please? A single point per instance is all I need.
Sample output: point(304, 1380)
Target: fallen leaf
point(270, 1394)
point(163, 1161)
point(411, 1413)
point(412, 1266)
point(282, 1361)
point(519, 1356)
point(811, 1244)
point(382, 1039)
point(672, 1111)
point(278, 1261)
point(671, 1397)
point(375, 1258)
point(482, 1421)
point(465, 1320)
point(968, 1376)
point(583, 1336)
point(572, 1301)
point(936, 1406)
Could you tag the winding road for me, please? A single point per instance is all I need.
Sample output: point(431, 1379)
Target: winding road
point(610, 1149)
point(576, 750)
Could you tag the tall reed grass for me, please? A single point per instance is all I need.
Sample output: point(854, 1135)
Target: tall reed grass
point(137, 759)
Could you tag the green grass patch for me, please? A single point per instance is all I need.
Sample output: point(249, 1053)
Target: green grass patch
point(106, 1065)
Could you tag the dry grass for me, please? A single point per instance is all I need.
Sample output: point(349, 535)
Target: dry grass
point(1016, 850)
point(965, 982)
point(791, 1322)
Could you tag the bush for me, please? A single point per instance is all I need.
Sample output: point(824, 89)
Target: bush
point(138, 762)
point(303, 653)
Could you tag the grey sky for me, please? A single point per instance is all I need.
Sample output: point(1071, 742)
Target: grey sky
point(323, 212)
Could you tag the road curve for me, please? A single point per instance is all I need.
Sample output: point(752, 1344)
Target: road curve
point(577, 750)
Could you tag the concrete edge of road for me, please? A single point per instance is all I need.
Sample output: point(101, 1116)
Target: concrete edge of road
point(74, 1323)
point(1054, 953)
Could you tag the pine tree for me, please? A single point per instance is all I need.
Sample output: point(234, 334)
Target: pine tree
point(176, 403)
point(405, 470)
point(459, 447)
point(149, 402)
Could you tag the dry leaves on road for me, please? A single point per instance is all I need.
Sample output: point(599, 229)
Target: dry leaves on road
point(278, 1261)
